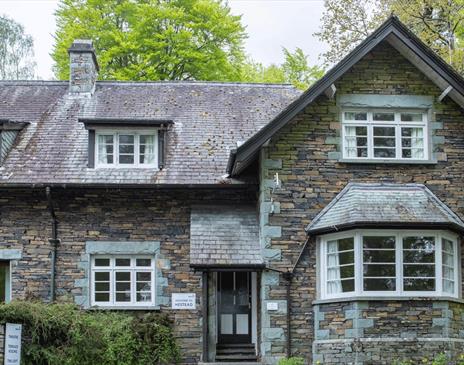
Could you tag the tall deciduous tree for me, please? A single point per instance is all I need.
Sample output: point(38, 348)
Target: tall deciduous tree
point(153, 39)
point(345, 23)
point(294, 70)
point(16, 51)
point(297, 70)
point(439, 23)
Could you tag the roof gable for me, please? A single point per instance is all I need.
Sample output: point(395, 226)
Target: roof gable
point(396, 34)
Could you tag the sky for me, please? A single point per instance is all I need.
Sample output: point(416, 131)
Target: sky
point(270, 24)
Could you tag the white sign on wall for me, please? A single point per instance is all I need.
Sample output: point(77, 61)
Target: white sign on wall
point(183, 301)
point(12, 344)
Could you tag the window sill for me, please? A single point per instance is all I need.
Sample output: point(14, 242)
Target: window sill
point(119, 167)
point(387, 161)
point(393, 298)
point(123, 308)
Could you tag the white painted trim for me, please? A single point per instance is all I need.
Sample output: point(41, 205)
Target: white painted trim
point(369, 123)
point(444, 93)
point(133, 269)
point(359, 265)
point(115, 133)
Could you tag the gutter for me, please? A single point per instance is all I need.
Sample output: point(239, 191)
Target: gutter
point(154, 186)
point(54, 241)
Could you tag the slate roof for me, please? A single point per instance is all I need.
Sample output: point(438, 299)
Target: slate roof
point(393, 31)
point(392, 205)
point(224, 235)
point(209, 120)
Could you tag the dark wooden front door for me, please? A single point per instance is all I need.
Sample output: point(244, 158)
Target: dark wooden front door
point(234, 307)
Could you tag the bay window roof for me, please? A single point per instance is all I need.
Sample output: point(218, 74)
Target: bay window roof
point(384, 205)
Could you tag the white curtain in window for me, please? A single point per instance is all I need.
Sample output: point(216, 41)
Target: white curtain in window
point(334, 284)
point(147, 149)
point(417, 143)
point(350, 142)
point(448, 265)
point(105, 149)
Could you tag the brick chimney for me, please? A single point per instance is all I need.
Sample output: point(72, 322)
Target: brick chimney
point(83, 67)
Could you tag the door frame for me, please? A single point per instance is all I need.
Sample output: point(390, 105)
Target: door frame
point(253, 310)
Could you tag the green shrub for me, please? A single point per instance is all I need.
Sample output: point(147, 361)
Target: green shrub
point(291, 361)
point(63, 334)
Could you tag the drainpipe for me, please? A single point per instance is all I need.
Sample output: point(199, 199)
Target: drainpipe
point(54, 241)
point(288, 276)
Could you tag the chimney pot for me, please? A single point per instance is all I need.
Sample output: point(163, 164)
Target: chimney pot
point(83, 67)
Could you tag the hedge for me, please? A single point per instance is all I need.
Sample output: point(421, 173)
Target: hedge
point(63, 334)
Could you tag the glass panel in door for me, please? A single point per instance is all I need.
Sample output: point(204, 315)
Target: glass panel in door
point(234, 307)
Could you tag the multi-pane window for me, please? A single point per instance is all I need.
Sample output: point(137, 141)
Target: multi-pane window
point(386, 263)
point(393, 135)
point(126, 149)
point(340, 265)
point(123, 281)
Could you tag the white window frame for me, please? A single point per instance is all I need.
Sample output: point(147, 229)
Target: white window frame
point(133, 269)
point(399, 292)
point(136, 133)
point(397, 123)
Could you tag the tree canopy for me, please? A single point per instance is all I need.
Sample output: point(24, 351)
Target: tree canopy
point(153, 39)
point(294, 70)
point(439, 23)
point(169, 40)
point(16, 51)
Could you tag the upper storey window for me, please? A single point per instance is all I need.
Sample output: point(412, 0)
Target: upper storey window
point(385, 135)
point(126, 149)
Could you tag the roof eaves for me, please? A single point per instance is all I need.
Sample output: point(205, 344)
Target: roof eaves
point(390, 225)
point(450, 214)
point(248, 150)
point(329, 206)
point(131, 122)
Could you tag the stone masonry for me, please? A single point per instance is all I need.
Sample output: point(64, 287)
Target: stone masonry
point(379, 332)
point(306, 155)
point(89, 215)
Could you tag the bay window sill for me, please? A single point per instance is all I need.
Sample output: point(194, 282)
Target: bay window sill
point(387, 161)
point(387, 299)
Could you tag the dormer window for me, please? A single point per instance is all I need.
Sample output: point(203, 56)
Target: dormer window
point(126, 143)
point(385, 135)
point(8, 133)
point(125, 148)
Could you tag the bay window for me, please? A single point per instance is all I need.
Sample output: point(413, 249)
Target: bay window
point(388, 263)
point(126, 149)
point(395, 135)
point(122, 281)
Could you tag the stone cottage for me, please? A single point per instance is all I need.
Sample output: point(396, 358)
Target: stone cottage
point(264, 221)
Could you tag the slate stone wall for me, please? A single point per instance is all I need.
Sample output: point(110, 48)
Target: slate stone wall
point(380, 332)
point(305, 154)
point(108, 215)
